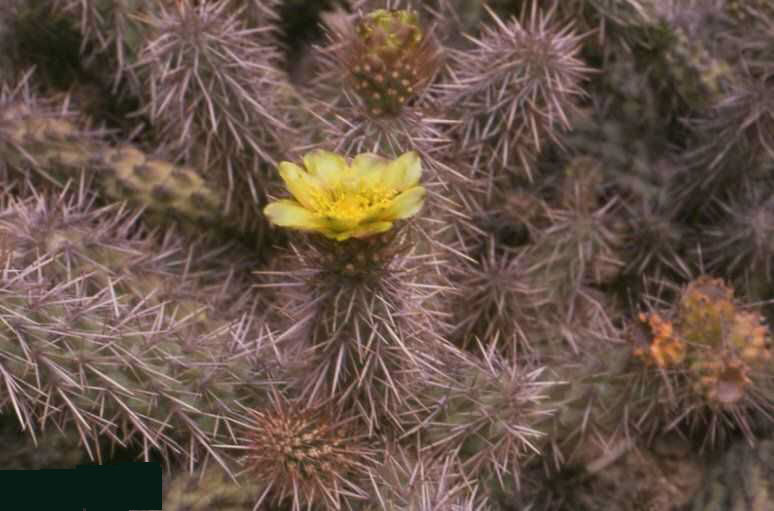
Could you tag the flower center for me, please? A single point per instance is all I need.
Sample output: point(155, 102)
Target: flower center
point(352, 200)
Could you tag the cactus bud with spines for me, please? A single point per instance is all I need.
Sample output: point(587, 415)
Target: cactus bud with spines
point(390, 59)
point(345, 123)
point(304, 455)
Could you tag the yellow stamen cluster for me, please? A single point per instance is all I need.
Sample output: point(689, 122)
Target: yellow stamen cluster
point(351, 200)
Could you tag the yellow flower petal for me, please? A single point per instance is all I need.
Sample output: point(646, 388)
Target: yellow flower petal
point(406, 204)
point(403, 173)
point(366, 230)
point(289, 213)
point(305, 188)
point(328, 167)
point(369, 167)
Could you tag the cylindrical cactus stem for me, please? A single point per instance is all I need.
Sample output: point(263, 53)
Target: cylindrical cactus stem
point(360, 324)
point(498, 415)
point(360, 314)
point(128, 173)
point(54, 146)
point(213, 88)
point(700, 77)
point(516, 90)
point(119, 333)
point(582, 240)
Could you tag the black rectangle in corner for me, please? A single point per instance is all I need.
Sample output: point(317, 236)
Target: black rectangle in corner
point(123, 486)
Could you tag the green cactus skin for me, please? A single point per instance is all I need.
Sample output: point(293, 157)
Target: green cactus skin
point(165, 187)
point(209, 489)
point(741, 480)
point(51, 450)
point(700, 76)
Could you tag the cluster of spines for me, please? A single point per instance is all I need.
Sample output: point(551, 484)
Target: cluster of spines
point(515, 89)
point(364, 338)
point(112, 332)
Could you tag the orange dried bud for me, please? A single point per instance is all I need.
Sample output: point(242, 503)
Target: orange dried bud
point(724, 381)
point(751, 337)
point(665, 348)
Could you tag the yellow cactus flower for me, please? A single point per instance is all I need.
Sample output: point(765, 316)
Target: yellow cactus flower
point(345, 200)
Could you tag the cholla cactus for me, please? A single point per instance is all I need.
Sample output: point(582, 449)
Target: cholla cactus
point(100, 334)
point(210, 77)
point(487, 412)
point(358, 314)
point(444, 306)
point(516, 89)
point(375, 74)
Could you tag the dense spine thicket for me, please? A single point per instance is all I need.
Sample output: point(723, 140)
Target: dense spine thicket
point(535, 252)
